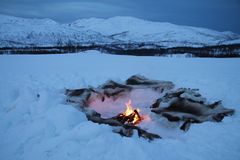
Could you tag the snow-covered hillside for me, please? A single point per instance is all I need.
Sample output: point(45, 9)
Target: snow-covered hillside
point(36, 123)
point(21, 32)
point(137, 30)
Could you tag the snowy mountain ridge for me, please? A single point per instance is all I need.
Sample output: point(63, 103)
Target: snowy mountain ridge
point(24, 32)
point(21, 32)
point(138, 30)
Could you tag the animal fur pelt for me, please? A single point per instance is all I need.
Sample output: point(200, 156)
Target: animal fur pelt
point(189, 106)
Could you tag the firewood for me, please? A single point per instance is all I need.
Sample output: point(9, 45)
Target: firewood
point(123, 129)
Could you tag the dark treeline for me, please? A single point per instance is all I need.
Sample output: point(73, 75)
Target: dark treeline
point(132, 49)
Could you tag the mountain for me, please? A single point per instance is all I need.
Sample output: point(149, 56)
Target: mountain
point(22, 32)
point(114, 33)
point(129, 29)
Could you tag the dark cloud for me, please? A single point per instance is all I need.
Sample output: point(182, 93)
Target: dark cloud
point(216, 14)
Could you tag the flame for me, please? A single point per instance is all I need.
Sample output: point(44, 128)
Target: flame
point(129, 110)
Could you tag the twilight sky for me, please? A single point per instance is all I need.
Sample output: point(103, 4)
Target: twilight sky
point(221, 15)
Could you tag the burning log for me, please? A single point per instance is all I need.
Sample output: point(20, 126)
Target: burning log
point(129, 115)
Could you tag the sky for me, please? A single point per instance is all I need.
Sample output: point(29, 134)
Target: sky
point(221, 15)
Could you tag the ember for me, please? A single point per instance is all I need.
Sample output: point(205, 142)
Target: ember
point(130, 115)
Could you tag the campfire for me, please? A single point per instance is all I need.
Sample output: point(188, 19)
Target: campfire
point(103, 105)
point(130, 115)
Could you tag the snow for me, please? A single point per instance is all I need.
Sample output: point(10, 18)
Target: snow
point(21, 32)
point(45, 127)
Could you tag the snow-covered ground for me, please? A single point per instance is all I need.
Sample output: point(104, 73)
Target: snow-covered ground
point(36, 123)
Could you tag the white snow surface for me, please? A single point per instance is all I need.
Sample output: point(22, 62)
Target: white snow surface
point(19, 32)
point(46, 127)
